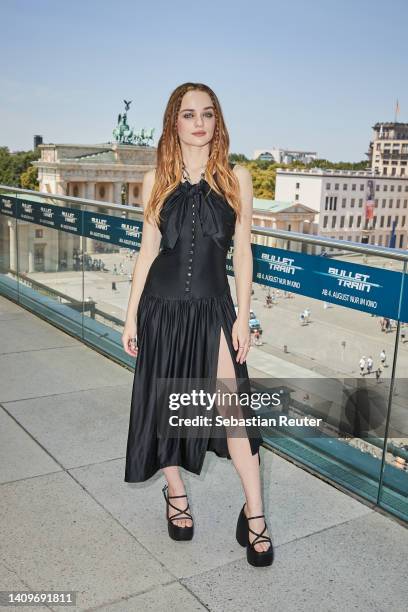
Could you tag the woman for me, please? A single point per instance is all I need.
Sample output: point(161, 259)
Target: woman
point(180, 321)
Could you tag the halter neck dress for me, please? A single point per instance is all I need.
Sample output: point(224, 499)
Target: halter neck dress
point(185, 302)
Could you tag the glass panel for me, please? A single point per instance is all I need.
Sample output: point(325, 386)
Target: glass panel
point(393, 494)
point(49, 260)
point(108, 270)
point(8, 248)
point(310, 349)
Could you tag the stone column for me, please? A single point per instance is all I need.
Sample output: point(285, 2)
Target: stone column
point(82, 190)
point(61, 187)
point(117, 192)
point(13, 245)
point(90, 190)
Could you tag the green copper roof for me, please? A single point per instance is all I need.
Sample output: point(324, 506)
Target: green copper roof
point(105, 156)
point(271, 205)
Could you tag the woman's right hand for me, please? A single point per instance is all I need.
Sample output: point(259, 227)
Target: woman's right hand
point(129, 338)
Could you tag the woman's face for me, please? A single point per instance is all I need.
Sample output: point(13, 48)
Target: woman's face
point(196, 118)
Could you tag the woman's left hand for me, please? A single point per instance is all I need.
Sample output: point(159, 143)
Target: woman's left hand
point(241, 339)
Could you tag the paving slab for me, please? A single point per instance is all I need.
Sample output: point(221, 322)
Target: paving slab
point(81, 427)
point(39, 373)
point(56, 537)
point(30, 333)
point(359, 565)
point(20, 455)
point(169, 597)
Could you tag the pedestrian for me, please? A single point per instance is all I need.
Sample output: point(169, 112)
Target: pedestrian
point(403, 332)
point(378, 374)
point(362, 365)
point(383, 358)
point(302, 318)
point(370, 364)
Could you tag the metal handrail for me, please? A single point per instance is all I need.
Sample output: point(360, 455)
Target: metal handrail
point(312, 239)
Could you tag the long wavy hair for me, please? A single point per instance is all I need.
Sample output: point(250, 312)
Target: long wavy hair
point(218, 175)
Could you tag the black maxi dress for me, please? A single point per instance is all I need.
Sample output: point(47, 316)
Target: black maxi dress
point(185, 302)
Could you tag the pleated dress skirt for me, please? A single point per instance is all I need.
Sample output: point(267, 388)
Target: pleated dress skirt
point(185, 303)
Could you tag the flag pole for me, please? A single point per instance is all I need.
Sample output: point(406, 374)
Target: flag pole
point(396, 111)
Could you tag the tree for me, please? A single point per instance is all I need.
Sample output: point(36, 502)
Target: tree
point(13, 167)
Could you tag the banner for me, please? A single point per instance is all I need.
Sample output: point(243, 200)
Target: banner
point(373, 290)
point(116, 230)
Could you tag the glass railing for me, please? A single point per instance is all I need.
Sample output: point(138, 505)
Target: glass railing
point(314, 318)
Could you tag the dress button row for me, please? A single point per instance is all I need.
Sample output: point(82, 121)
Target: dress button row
point(187, 288)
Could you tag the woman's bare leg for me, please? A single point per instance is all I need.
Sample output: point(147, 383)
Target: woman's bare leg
point(246, 464)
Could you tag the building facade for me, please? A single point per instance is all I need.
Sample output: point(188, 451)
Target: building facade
point(355, 206)
point(287, 216)
point(388, 151)
point(105, 172)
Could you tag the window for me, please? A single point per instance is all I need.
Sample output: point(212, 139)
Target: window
point(342, 221)
point(353, 187)
point(362, 187)
point(360, 202)
point(353, 201)
point(327, 185)
point(399, 187)
point(389, 221)
point(392, 188)
point(296, 196)
point(343, 202)
point(403, 221)
point(385, 187)
point(380, 240)
point(344, 186)
point(383, 203)
point(358, 220)
point(391, 202)
point(382, 221)
point(325, 219)
point(336, 186)
point(333, 221)
point(398, 203)
point(377, 188)
point(351, 219)
point(297, 185)
point(39, 233)
point(374, 222)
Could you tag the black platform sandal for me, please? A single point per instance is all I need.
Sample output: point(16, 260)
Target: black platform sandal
point(254, 557)
point(176, 532)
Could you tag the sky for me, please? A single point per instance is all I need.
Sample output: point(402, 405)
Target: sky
point(302, 74)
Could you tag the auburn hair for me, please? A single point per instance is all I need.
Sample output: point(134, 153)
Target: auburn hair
point(219, 174)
